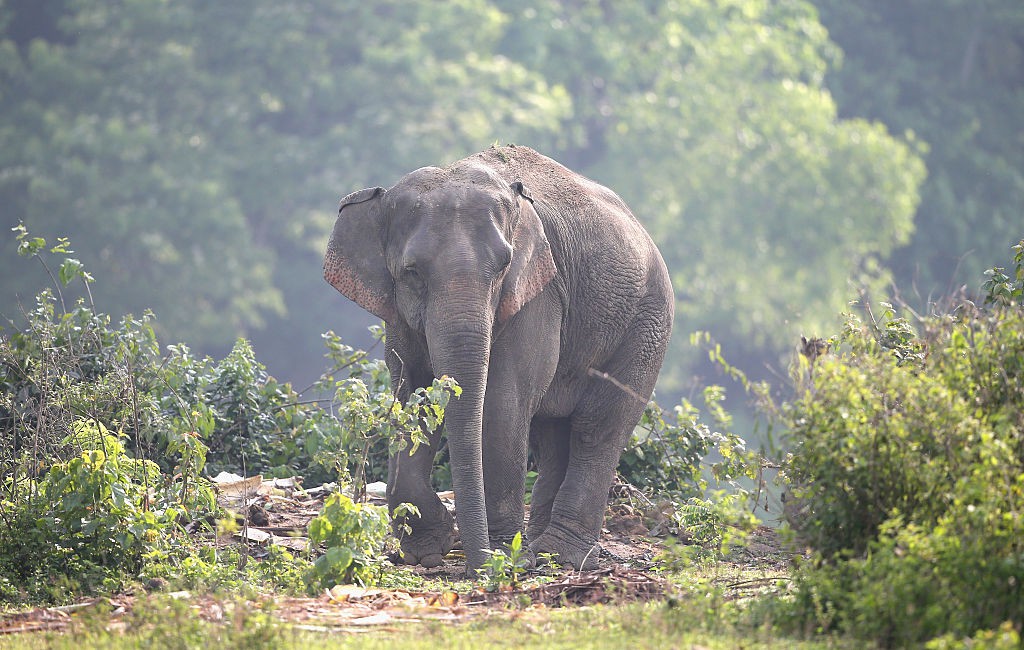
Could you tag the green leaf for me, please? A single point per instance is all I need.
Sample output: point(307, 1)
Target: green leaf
point(339, 558)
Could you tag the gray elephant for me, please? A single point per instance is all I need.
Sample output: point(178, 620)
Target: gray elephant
point(541, 294)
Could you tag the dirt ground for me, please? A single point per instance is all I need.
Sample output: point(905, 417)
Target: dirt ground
point(279, 512)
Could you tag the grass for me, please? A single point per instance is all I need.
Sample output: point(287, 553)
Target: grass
point(721, 605)
point(171, 624)
point(652, 625)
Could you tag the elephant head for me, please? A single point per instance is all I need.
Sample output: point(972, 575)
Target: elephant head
point(451, 254)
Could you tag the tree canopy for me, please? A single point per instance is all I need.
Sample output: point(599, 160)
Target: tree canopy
point(952, 72)
point(712, 120)
point(194, 152)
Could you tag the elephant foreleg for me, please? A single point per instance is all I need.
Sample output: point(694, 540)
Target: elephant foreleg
point(433, 532)
point(518, 375)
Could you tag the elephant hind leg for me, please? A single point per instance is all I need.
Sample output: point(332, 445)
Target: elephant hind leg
point(549, 444)
point(599, 428)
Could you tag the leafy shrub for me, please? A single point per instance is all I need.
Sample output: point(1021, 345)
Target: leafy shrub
point(78, 510)
point(374, 425)
point(250, 422)
point(86, 523)
point(68, 366)
point(708, 529)
point(665, 452)
point(713, 524)
point(1004, 638)
point(64, 367)
point(375, 419)
point(354, 535)
point(191, 564)
point(504, 568)
point(1001, 289)
point(874, 436)
point(961, 575)
point(907, 469)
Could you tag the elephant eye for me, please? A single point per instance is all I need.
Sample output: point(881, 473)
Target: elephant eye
point(410, 273)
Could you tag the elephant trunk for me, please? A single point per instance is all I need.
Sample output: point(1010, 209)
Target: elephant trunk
point(460, 348)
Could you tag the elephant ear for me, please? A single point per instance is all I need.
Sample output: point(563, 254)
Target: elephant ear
point(355, 263)
point(532, 266)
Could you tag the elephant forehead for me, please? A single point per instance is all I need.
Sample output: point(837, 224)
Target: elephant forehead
point(447, 207)
point(446, 227)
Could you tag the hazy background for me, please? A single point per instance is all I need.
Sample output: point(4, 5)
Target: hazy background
point(784, 154)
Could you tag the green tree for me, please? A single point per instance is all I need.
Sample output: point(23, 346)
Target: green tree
point(952, 72)
point(197, 149)
point(712, 120)
point(103, 141)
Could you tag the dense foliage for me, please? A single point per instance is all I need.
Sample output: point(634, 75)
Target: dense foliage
point(85, 524)
point(907, 472)
point(354, 534)
point(197, 150)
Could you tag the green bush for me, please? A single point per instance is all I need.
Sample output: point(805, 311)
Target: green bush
point(907, 473)
point(1004, 638)
point(251, 423)
point(190, 563)
point(63, 367)
point(373, 424)
point(873, 436)
point(504, 567)
point(959, 576)
point(86, 523)
point(354, 535)
point(665, 452)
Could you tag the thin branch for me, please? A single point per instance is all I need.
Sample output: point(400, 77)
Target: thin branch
point(88, 292)
point(135, 426)
point(304, 403)
point(757, 581)
point(56, 285)
point(626, 389)
point(360, 356)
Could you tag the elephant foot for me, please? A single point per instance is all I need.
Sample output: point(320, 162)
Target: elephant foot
point(426, 549)
point(429, 561)
point(429, 542)
point(571, 552)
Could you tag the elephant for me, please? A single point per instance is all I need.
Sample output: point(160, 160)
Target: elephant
point(540, 293)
